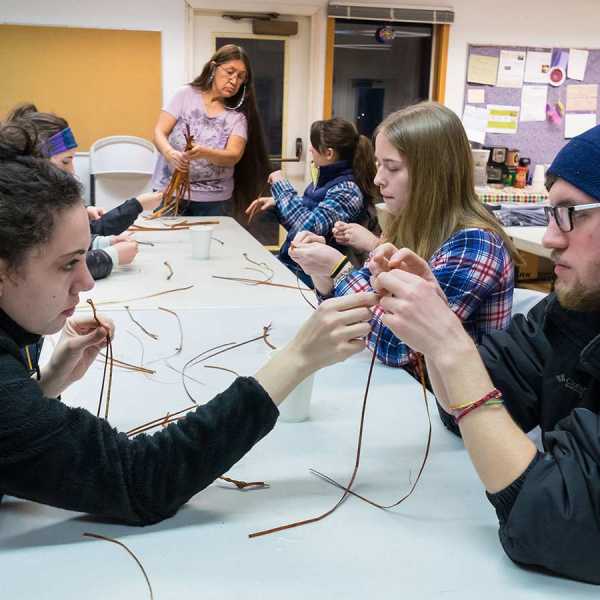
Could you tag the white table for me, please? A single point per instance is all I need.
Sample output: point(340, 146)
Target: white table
point(441, 543)
point(148, 274)
point(529, 239)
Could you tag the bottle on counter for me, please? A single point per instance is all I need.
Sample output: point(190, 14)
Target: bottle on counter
point(524, 162)
point(521, 177)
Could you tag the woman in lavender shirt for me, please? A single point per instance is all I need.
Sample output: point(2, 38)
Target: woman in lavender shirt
point(228, 164)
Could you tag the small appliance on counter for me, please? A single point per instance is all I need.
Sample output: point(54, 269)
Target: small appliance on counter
point(496, 167)
point(480, 161)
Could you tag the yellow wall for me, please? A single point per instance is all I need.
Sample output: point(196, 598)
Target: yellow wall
point(103, 81)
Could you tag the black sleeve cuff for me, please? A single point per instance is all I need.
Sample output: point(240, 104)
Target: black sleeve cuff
point(504, 500)
point(135, 202)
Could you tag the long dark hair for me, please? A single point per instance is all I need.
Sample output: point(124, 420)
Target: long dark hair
point(343, 137)
point(32, 192)
point(251, 171)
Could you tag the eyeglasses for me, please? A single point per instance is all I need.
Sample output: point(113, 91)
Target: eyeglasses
point(231, 73)
point(563, 215)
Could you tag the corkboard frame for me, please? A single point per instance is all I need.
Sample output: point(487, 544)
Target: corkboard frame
point(103, 81)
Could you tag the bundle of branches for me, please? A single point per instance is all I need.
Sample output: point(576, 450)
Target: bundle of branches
point(178, 191)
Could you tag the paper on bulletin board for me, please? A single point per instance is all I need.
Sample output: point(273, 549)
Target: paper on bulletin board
point(582, 97)
point(533, 102)
point(577, 64)
point(511, 68)
point(576, 123)
point(537, 67)
point(482, 69)
point(476, 96)
point(502, 119)
point(474, 121)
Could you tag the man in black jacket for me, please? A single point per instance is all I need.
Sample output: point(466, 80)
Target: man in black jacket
point(544, 370)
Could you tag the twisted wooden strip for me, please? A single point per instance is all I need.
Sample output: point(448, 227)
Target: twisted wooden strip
point(128, 366)
point(421, 371)
point(148, 333)
point(348, 487)
point(169, 269)
point(179, 185)
point(178, 348)
point(181, 289)
point(257, 282)
point(108, 366)
point(137, 560)
point(174, 227)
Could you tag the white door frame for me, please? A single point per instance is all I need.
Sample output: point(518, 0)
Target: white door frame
point(311, 76)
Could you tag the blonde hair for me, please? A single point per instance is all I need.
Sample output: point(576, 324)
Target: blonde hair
point(442, 196)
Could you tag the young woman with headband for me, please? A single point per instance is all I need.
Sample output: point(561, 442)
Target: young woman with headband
point(56, 142)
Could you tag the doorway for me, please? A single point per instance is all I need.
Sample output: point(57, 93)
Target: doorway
point(379, 68)
point(281, 68)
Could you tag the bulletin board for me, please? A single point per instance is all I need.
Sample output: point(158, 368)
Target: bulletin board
point(102, 81)
point(538, 140)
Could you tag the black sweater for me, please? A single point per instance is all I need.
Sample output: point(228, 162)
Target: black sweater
point(118, 219)
point(66, 457)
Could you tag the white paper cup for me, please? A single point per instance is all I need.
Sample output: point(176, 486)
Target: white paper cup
point(480, 157)
point(539, 176)
point(296, 407)
point(201, 238)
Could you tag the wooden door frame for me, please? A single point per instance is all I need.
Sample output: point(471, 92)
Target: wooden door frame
point(441, 35)
point(328, 91)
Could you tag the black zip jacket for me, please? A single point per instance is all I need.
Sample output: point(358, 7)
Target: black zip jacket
point(66, 457)
point(547, 366)
point(118, 219)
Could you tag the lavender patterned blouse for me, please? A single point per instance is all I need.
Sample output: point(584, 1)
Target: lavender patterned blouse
point(209, 182)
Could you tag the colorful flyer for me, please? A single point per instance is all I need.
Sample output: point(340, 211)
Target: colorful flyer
point(502, 119)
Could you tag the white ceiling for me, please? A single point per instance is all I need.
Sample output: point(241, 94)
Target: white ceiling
point(283, 7)
point(306, 7)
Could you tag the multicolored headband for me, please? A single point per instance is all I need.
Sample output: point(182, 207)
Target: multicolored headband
point(60, 142)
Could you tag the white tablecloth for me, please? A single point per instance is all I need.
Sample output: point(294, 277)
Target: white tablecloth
point(148, 274)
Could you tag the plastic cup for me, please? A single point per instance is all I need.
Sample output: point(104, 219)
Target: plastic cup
point(539, 174)
point(201, 238)
point(296, 407)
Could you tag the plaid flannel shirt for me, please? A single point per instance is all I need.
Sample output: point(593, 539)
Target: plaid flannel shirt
point(343, 202)
point(475, 271)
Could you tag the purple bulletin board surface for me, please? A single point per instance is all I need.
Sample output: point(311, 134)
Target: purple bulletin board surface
point(539, 140)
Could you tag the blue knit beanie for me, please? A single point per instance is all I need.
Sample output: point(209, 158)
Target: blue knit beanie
point(579, 162)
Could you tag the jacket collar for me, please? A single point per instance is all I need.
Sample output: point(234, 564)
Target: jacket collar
point(333, 170)
point(11, 329)
point(582, 329)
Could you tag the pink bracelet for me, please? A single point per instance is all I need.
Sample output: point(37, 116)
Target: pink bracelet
point(493, 397)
